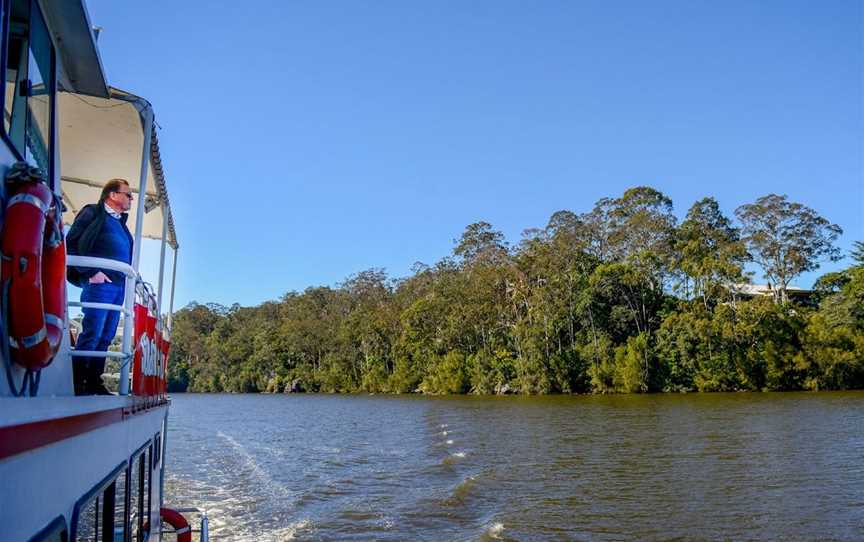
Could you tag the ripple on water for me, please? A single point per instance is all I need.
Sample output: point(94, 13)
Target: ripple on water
point(454, 458)
point(260, 475)
point(461, 492)
point(281, 534)
point(696, 467)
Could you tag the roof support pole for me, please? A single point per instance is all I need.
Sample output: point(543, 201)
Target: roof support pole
point(162, 261)
point(171, 297)
point(128, 325)
point(147, 118)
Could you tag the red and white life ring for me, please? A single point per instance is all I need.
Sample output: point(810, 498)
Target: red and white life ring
point(175, 519)
point(34, 274)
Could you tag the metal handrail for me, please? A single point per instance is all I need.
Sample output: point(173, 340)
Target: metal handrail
point(103, 306)
point(133, 282)
point(205, 522)
point(99, 354)
point(132, 279)
point(102, 263)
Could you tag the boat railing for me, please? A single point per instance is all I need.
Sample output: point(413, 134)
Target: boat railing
point(204, 527)
point(134, 284)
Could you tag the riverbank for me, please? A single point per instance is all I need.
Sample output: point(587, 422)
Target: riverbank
point(620, 299)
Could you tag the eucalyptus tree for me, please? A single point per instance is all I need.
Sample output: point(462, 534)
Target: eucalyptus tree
point(595, 228)
point(543, 299)
point(857, 253)
point(641, 221)
point(189, 354)
point(369, 327)
point(480, 242)
point(309, 332)
point(482, 303)
point(635, 235)
point(786, 239)
point(711, 254)
point(642, 241)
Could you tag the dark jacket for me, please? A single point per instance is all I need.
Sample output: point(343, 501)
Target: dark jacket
point(93, 235)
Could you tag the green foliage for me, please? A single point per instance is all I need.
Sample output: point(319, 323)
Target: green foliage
point(632, 365)
point(710, 253)
point(787, 238)
point(620, 299)
point(448, 375)
point(833, 341)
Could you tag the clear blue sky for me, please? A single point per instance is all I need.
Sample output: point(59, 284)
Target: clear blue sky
point(306, 141)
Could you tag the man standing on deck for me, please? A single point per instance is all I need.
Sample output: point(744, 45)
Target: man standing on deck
point(100, 231)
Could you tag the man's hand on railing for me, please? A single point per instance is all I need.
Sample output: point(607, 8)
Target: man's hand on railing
point(99, 278)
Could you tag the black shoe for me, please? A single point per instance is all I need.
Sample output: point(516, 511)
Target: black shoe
point(79, 378)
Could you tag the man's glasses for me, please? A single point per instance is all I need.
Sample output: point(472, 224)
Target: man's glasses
point(127, 194)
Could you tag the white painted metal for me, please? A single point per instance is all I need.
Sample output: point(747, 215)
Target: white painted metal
point(99, 353)
point(132, 277)
point(79, 62)
point(204, 529)
point(102, 263)
point(162, 463)
point(94, 305)
point(162, 264)
point(171, 299)
point(46, 482)
point(147, 116)
point(41, 408)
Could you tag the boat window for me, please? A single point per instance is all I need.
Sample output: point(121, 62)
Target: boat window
point(121, 516)
point(157, 449)
point(29, 93)
point(139, 493)
point(101, 515)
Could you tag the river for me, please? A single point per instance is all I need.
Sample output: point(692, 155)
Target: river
point(746, 466)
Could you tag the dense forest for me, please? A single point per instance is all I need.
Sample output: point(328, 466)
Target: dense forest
point(622, 298)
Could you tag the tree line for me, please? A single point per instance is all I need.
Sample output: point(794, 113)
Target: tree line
point(623, 298)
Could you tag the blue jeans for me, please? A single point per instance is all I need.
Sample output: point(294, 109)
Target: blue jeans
point(99, 327)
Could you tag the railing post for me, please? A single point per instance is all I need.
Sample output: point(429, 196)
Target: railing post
point(163, 459)
point(147, 116)
point(128, 323)
point(162, 260)
point(126, 344)
point(173, 284)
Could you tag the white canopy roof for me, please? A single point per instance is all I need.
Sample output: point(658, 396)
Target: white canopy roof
point(80, 64)
point(103, 139)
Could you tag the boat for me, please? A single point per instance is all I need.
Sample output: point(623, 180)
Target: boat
point(80, 467)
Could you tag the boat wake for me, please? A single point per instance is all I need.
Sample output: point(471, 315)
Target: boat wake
point(454, 457)
point(460, 493)
point(284, 534)
point(256, 471)
point(291, 532)
point(493, 532)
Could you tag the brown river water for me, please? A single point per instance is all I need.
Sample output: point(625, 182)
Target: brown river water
point(747, 466)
